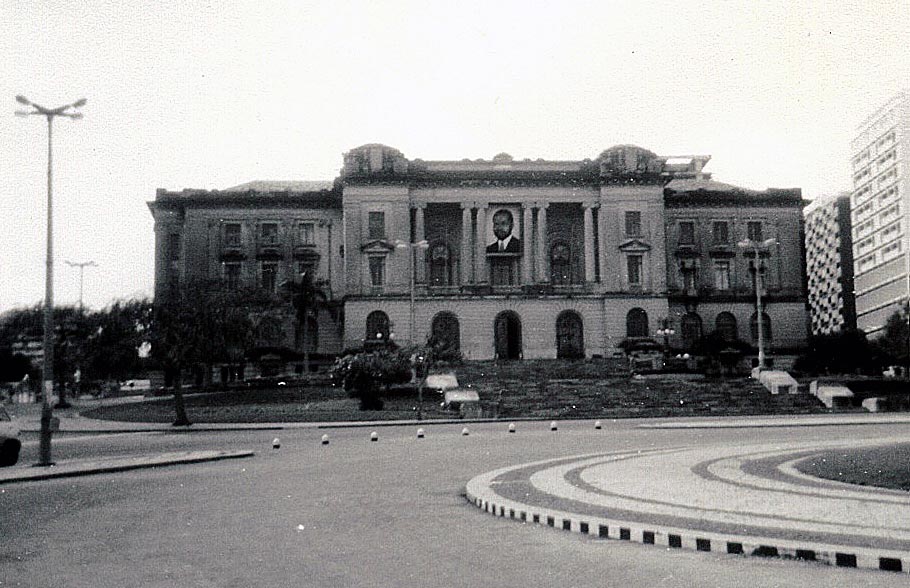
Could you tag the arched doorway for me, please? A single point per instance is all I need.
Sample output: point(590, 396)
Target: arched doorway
point(507, 335)
point(446, 332)
point(637, 323)
point(570, 340)
point(725, 324)
point(377, 326)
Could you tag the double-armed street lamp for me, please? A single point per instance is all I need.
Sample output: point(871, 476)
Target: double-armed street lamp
point(81, 265)
point(757, 247)
point(48, 362)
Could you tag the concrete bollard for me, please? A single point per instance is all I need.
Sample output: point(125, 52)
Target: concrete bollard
point(597, 425)
point(511, 427)
point(420, 433)
point(553, 426)
point(464, 432)
point(325, 439)
point(374, 436)
point(276, 443)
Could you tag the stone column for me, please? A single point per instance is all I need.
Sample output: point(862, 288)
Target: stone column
point(543, 258)
point(465, 263)
point(527, 270)
point(480, 252)
point(420, 266)
point(602, 244)
point(589, 243)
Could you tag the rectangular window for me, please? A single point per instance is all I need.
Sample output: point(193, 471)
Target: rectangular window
point(268, 234)
point(232, 275)
point(633, 269)
point(753, 231)
point(720, 232)
point(232, 235)
point(377, 271)
point(173, 247)
point(377, 225)
point(633, 223)
point(687, 233)
point(891, 251)
point(306, 234)
point(722, 275)
point(269, 276)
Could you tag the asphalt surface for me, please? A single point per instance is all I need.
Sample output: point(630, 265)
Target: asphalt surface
point(359, 513)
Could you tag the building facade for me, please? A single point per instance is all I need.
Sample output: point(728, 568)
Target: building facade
point(509, 259)
point(256, 237)
point(879, 213)
point(829, 265)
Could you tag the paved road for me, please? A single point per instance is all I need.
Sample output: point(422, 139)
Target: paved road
point(358, 513)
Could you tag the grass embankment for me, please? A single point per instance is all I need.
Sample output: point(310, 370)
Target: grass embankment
point(884, 466)
point(541, 389)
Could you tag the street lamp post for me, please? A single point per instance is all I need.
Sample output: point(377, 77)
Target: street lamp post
point(416, 361)
point(666, 331)
point(48, 363)
point(81, 266)
point(757, 247)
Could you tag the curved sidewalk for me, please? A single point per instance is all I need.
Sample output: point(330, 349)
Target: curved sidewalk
point(745, 500)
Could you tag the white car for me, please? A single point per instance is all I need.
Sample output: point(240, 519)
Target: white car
point(9, 440)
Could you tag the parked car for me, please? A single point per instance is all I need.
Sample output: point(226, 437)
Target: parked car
point(9, 440)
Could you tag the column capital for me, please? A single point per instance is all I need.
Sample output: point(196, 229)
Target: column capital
point(466, 205)
point(542, 205)
point(418, 205)
point(528, 205)
point(481, 205)
point(592, 204)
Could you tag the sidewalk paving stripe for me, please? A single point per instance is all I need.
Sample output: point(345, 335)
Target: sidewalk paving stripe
point(755, 545)
point(86, 468)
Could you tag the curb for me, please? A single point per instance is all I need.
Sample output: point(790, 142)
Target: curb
point(73, 469)
point(479, 493)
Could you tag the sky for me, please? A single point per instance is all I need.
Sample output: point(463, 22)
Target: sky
point(211, 94)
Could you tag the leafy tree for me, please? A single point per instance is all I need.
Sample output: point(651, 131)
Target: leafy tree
point(198, 323)
point(364, 374)
point(113, 345)
point(844, 352)
point(895, 338)
point(308, 296)
point(15, 366)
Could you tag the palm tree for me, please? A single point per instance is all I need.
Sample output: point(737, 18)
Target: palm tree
point(307, 295)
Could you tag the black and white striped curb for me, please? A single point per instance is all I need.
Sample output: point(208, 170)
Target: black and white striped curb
point(481, 492)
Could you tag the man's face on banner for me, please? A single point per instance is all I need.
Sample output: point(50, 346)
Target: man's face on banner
point(502, 224)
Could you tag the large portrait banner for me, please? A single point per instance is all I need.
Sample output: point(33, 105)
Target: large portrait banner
point(503, 232)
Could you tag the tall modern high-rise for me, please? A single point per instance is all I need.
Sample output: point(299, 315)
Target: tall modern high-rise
point(879, 213)
point(829, 264)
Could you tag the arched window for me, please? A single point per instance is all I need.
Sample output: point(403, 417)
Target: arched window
point(765, 327)
point(440, 265)
point(725, 324)
point(637, 323)
point(377, 326)
point(312, 335)
point(446, 331)
point(570, 341)
point(560, 264)
point(690, 327)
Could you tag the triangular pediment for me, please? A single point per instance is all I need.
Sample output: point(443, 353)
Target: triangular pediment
point(378, 246)
point(634, 246)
